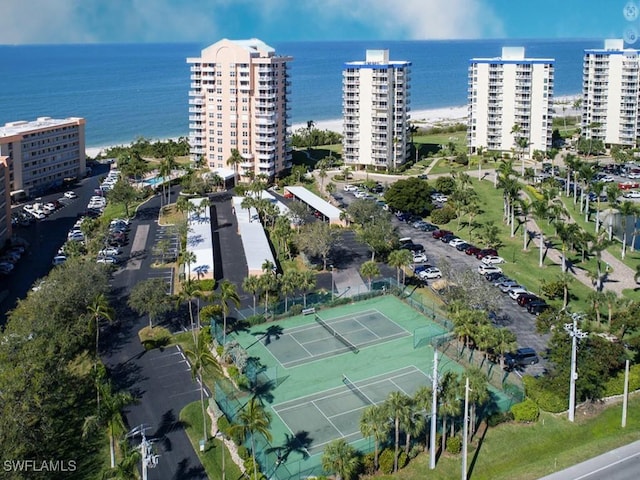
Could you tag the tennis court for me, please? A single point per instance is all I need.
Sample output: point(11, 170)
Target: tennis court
point(335, 413)
point(333, 336)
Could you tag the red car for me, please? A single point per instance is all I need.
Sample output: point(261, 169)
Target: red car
point(486, 251)
point(525, 299)
point(472, 250)
point(440, 233)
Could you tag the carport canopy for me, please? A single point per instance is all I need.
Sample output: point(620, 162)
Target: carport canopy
point(314, 201)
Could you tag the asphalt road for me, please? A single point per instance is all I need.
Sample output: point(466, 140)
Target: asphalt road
point(620, 464)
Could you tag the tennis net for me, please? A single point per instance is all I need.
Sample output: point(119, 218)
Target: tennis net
point(351, 386)
point(340, 338)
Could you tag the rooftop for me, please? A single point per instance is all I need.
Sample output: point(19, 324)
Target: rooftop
point(23, 126)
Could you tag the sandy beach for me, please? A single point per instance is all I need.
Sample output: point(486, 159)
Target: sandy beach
point(423, 118)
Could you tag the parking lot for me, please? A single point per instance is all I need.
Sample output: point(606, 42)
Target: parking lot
point(510, 315)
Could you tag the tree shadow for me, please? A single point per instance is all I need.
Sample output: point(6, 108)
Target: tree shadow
point(168, 424)
point(300, 442)
point(272, 332)
point(185, 472)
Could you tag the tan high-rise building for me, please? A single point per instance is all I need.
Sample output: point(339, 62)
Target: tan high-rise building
point(375, 106)
point(508, 91)
point(611, 93)
point(238, 100)
point(5, 201)
point(43, 152)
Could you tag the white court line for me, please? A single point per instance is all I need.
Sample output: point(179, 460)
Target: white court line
point(296, 340)
point(328, 419)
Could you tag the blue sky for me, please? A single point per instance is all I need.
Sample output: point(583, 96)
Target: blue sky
point(206, 21)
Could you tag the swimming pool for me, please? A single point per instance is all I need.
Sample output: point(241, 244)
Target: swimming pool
point(154, 181)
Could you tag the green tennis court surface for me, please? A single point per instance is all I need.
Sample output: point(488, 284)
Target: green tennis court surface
point(308, 343)
point(335, 413)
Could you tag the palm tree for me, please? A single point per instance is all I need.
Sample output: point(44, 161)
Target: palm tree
point(504, 342)
point(597, 188)
point(252, 420)
point(251, 284)
point(626, 209)
point(375, 423)
point(201, 357)
point(126, 469)
point(109, 416)
point(479, 393)
point(369, 269)
point(307, 282)
point(99, 309)
point(188, 258)
point(599, 243)
point(450, 394)
point(183, 205)
point(399, 259)
point(268, 283)
point(322, 173)
point(288, 285)
point(234, 161)
point(341, 458)
point(228, 293)
point(189, 291)
point(411, 424)
point(422, 401)
point(397, 406)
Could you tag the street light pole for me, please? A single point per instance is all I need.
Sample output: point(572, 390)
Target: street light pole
point(465, 429)
point(332, 284)
point(434, 407)
point(575, 333)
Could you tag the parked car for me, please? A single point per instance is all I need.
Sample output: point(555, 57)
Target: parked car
point(429, 227)
point(472, 250)
point(520, 358)
point(485, 252)
point(632, 194)
point(447, 238)
point(456, 241)
point(414, 247)
point(461, 247)
point(515, 292)
point(431, 272)
point(350, 188)
point(70, 195)
point(110, 252)
point(537, 307)
point(524, 300)
point(440, 233)
point(107, 260)
point(59, 260)
point(493, 277)
point(492, 259)
point(483, 269)
point(506, 286)
point(419, 257)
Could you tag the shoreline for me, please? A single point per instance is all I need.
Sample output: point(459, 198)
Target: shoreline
point(428, 117)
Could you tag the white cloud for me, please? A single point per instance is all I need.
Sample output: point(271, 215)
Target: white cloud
point(419, 19)
point(80, 21)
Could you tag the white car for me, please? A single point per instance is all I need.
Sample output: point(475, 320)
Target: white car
point(350, 188)
point(109, 252)
point(38, 214)
point(419, 258)
point(49, 208)
point(107, 260)
point(514, 293)
point(360, 194)
point(432, 272)
point(457, 241)
point(28, 208)
point(492, 259)
point(632, 194)
point(76, 237)
point(70, 195)
point(634, 176)
point(59, 260)
point(485, 268)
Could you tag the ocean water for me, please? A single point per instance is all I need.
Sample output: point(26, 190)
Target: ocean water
point(126, 91)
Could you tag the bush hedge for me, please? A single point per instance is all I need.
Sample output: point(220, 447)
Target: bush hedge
point(548, 400)
point(615, 385)
point(526, 411)
point(154, 337)
point(454, 445)
point(385, 461)
point(444, 215)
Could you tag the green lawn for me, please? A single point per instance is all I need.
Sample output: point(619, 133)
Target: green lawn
point(211, 458)
point(531, 451)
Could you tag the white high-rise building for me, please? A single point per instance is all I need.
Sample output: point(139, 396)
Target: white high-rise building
point(239, 101)
point(610, 94)
point(506, 92)
point(375, 107)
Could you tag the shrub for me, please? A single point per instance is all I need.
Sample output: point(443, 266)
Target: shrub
point(454, 445)
point(526, 411)
point(256, 319)
point(206, 284)
point(154, 337)
point(243, 452)
point(219, 350)
point(443, 215)
point(233, 372)
point(403, 459)
point(415, 451)
point(385, 461)
point(223, 424)
point(295, 309)
point(368, 464)
point(615, 385)
point(497, 418)
point(248, 465)
point(546, 399)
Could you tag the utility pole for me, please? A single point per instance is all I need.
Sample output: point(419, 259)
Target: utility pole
point(149, 460)
point(465, 429)
point(434, 408)
point(575, 333)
